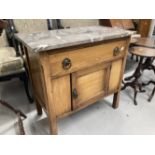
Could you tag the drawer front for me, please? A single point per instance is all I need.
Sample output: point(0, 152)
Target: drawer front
point(74, 60)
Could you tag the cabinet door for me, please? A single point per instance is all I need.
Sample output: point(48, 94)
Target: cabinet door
point(115, 75)
point(89, 85)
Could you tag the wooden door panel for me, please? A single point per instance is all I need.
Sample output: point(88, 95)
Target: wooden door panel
point(95, 86)
point(90, 85)
point(61, 94)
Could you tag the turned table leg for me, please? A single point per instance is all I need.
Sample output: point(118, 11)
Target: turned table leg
point(132, 56)
point(135, 96)
point(152, 94)
point(153, 91)
point(137, 72)
point(135, 83)
point(148, 65)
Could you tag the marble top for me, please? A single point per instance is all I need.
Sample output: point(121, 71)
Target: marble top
point(56, 39)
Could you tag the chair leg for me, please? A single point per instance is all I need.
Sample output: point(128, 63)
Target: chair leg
point(132, 56)
point(19, 114)
point(137, 59)
point(152, 94)
point(135, 96)
point(26, 86)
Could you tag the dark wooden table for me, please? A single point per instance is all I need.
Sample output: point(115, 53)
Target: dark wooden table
point(149, 43)
point(147, 56)
point(145, 42)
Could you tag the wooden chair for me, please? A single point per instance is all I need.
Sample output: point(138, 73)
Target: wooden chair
point(12, 64)
point(32, 26)
point(12, 59)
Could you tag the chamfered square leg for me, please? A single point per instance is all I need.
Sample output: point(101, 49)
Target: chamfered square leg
point(38, 108)
point(116, 100)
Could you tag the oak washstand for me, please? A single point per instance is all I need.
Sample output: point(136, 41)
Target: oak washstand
point(73, 68)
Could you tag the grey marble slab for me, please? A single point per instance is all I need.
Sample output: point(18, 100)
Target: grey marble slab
point(56, 39)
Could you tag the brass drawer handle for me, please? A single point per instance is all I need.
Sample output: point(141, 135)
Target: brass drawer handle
point(66, 63)
point(118, 50)
point(75, 93)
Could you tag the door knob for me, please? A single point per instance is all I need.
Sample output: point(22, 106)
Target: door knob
point(117, 50)
point(66, 63)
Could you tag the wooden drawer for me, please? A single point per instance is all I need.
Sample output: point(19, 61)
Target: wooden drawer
point(74, 60)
